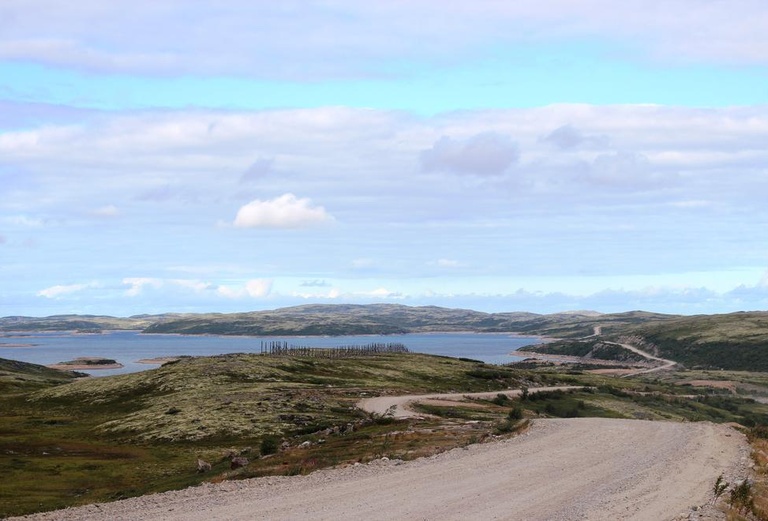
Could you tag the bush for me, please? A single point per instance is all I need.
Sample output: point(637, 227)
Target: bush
point(500, 399)
point(510, 426)
point(741, 497)
point(268, 446)
point(516, 413)
point(759, 431)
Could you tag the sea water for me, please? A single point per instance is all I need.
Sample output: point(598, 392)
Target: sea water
point(128, 347)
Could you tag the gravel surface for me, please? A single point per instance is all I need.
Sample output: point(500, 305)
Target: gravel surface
point(563, 469)
point(399, 406)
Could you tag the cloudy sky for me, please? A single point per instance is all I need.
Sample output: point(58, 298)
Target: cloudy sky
point(547, 155)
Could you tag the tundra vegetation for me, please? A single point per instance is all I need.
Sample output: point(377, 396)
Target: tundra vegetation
point(69, 441)
point(247, 415)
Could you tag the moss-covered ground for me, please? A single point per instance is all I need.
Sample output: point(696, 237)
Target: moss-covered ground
point(99, 439)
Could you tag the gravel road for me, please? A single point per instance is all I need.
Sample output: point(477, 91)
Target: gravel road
point(399, 406)
point(561, 469)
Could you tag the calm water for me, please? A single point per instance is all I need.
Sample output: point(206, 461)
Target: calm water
point(127, 347)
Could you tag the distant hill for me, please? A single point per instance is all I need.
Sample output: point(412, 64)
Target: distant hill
point(731, 341)
point(379, 319)
point(339, 319)
point(84, 323)
point(737, 341)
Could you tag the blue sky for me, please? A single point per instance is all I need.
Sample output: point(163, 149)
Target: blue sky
point(502, 156)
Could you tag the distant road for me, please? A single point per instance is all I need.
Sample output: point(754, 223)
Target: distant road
point(666, 364)
point(398, 406)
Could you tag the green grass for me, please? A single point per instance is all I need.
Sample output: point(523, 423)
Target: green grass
point(567, 404)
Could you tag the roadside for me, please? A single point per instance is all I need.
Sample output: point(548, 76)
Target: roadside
point(585, 468)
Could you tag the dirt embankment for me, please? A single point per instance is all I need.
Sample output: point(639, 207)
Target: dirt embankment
point(584, 468)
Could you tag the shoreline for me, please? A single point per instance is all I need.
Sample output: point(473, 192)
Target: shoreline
point(83, 367)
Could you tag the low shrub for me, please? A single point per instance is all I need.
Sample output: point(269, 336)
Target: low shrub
point(516, 413)
point(500, 399)
point(269, 445)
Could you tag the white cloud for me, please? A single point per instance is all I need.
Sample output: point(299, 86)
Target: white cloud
point(59, 290)
point(258, 287)
point(331, 294)
point(385, 293)
point(230, 292)
point(573, 210)
point(137, 284)
point(254, 288)
point(197, 286)
point(488, 153)
point(286, 211)
point(248, 38)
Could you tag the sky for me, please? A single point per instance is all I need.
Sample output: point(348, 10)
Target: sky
point(550, 155)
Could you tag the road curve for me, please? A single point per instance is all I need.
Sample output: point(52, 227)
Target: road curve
point(399, 406)
point(666, 363)
point(581, 468)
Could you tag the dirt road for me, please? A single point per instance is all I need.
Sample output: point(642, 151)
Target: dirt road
point(584, 468)
point(398, 406)
point(665, 363)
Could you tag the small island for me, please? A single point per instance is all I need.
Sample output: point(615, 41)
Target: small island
point(159, 360)
point(88, 362)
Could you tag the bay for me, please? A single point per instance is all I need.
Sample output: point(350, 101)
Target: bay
point(127, 347)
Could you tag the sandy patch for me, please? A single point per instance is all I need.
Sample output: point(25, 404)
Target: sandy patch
point(716, 384)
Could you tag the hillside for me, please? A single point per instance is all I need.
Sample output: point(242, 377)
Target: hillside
point(22, 376)
point(737, 341)
point(249, 395)
point(101, 439)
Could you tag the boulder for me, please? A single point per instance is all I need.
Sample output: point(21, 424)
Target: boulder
point(203, 466)
point(237, 462)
